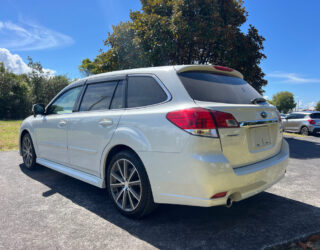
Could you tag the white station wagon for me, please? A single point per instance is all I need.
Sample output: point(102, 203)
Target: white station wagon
point(194, 135)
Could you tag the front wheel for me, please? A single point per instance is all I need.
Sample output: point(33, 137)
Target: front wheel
point(28, 153)
point(304, 131)
point(128, 185)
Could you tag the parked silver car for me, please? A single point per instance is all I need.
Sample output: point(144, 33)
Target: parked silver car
point(194, 135)
point(306, 122)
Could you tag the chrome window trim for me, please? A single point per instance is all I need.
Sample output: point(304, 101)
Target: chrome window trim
point(257, 122)
point(164, 88)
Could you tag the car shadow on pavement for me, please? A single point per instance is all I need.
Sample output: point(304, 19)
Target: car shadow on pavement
point(303, 149)
point(255, 223)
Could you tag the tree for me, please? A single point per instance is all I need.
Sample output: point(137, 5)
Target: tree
point(124, 53)
point(317, 107)
point(271, 102)
point(36, 80)
point(18, 92)
point(52, 86)
point(168, 32)
point(14, 95)
point(284, 101)
point(43, 86)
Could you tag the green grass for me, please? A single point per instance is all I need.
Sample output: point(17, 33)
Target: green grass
point(9, 135)
point(293, 134)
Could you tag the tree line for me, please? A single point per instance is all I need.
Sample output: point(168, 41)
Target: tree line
point(19, 92)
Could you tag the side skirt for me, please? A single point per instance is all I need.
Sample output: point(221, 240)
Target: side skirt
point(91, 179)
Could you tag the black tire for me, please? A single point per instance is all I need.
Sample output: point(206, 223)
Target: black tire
point(304, 130)
point(146, 204)
point(28, 154)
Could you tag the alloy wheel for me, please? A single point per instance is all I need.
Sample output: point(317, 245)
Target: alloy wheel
point(27, 151)
point(304, 131)
point(125, 185)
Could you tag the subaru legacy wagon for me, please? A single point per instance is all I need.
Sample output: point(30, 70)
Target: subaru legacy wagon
point(194, 135)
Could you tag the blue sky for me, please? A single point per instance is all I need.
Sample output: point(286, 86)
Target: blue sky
point(62, 33)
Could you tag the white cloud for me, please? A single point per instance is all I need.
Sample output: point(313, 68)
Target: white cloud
point(30, 36)
point(15, 64)
point(284, 77)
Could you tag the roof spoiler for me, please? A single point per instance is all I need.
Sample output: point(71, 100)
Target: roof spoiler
point(210, 68)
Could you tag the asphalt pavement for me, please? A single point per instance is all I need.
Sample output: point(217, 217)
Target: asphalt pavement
point(44, 209)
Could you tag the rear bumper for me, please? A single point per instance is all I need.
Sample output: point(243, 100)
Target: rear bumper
point(203, 176)
point(314, 129)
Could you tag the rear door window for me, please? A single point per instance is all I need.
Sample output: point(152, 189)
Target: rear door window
point(209, 87)
point(98, 96)
point(144, 91)
point(291, 116)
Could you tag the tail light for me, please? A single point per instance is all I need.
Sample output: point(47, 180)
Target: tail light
point(200, 121)
point(224, 120)
point(312, 122)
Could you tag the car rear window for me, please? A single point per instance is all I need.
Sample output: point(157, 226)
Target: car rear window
point(315, 116)
point(209, 87)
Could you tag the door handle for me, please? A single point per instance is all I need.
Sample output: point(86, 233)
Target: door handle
point(105, 122)
point(62, 123)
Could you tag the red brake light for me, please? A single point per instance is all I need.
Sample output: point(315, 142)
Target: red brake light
point(222, 68)
point(200, 121)
point(194, 118)
point(312, 122)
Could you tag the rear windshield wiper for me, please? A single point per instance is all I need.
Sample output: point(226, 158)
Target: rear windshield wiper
point(258, 100)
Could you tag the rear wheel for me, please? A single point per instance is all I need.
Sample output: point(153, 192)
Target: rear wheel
point(28, 153)
point(304, 131)
point(128, 185)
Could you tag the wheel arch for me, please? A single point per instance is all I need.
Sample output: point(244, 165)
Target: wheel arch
point(124, 138)
point(113, 151)
point(23, 132)
point(304, 126)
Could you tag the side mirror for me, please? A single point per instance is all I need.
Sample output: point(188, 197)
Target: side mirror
point(38, 109)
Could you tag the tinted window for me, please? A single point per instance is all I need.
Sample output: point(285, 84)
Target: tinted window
point(315, 116)
point(117, 101)
point(97, 96)
point(296, 116)
point(143, 91)
point(64, 104)
point(292, 116)
point(203, 86)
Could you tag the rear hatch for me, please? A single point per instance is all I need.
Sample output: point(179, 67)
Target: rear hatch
point(259, 134)
point(316, 118)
